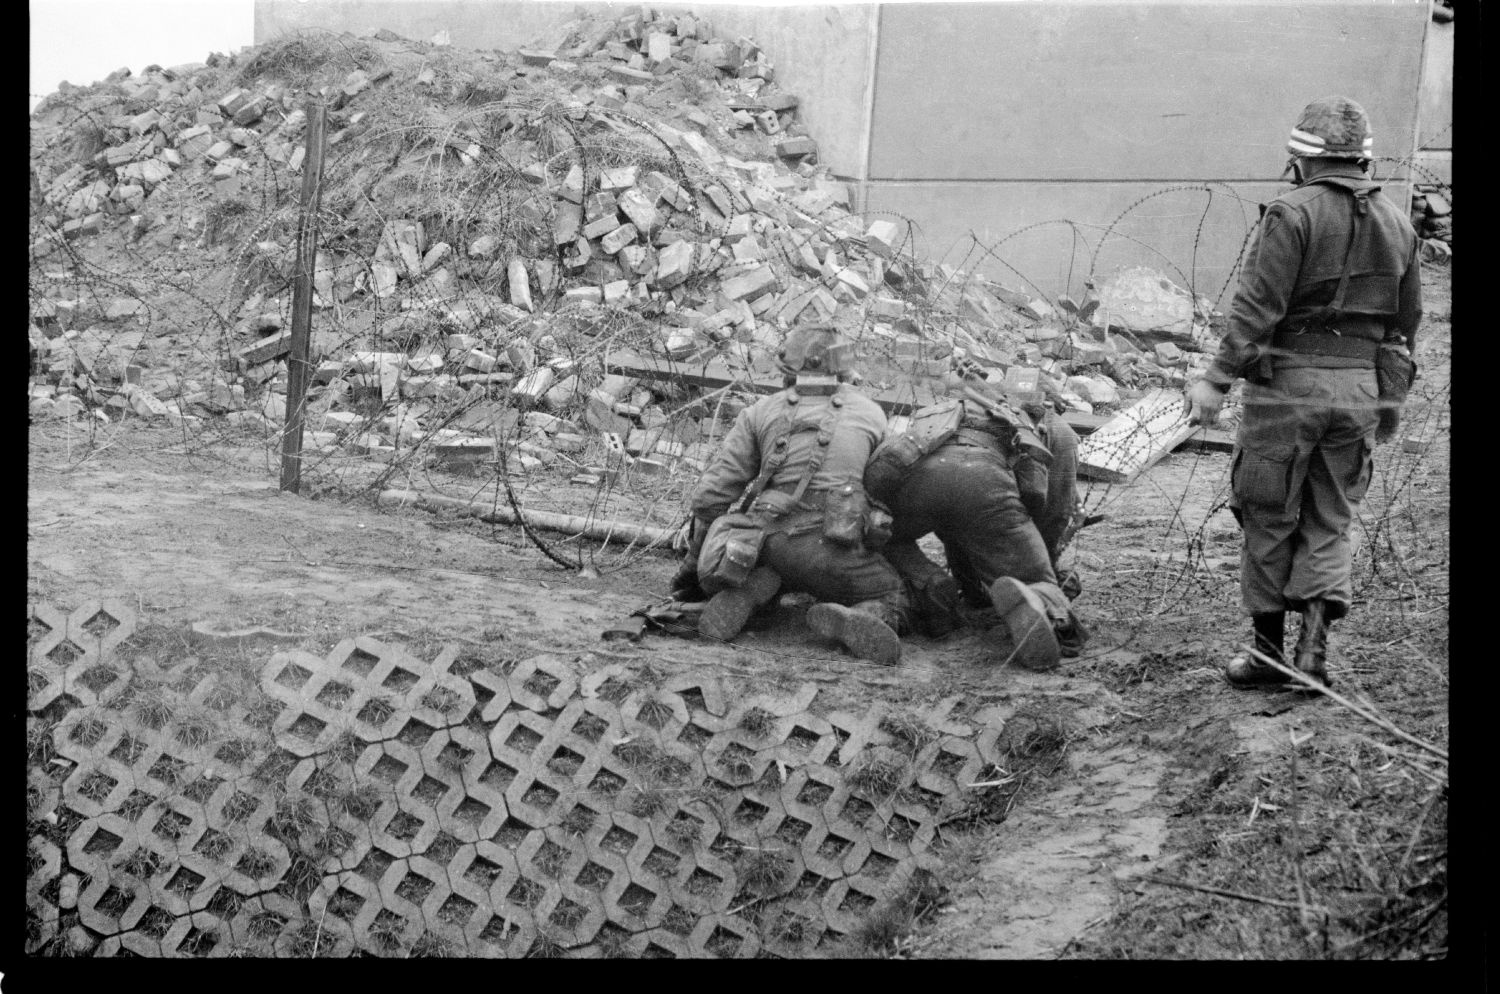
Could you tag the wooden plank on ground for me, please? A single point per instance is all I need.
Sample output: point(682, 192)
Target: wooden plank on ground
point(717, 374)
point(1136, 438)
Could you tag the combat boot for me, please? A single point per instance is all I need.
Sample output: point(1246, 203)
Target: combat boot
point(1025, 616)
point(1072, 636)
point(1312, 642)
point(936, 605)
point(867, 630)
point(726, 613)
point(1244, 670)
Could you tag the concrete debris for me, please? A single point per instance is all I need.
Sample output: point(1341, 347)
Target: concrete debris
point(1432, 216)
point(720, 253)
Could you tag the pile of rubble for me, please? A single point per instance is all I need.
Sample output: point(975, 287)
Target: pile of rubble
point(714, 233)
point(1432, 213)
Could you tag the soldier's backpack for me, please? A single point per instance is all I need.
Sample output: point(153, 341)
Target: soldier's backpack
point(930, 427)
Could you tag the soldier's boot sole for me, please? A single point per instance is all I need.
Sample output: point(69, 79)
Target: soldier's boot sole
point(727, 612)
point(1026, 619)
point(863, 634)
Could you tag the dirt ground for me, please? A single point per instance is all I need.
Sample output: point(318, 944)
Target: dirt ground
point(1133, 765)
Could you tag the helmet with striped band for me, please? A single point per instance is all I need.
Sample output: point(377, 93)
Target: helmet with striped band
point(1332, 128)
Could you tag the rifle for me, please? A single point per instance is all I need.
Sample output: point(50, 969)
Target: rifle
point(1077, 523)
point(1015, 425)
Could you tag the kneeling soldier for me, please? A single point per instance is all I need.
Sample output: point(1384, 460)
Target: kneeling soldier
point(998, 488)
point(782, 508)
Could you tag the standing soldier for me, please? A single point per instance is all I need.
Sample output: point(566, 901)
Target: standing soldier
point(1322, 329)
point(783, 507)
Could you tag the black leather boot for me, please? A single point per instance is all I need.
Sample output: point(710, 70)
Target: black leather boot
point(1244, 670)
point(935, 604)
point(1312, 642)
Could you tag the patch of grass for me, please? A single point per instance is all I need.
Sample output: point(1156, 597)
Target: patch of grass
point(155, 710)
point(39, 749)
point(682, 832)
point(261, 711)
point(442, 700)
point(654, 713)
point(360, 803)
point(294, 816)
point(757, 720)
point(140, 863)
point(345, 747)
point(386, 932)
point(216, 846)
point(429, 946)
point(265, 926)
point(196, 729)
point(880, 932)
point(648, 802)
point(762, 873)
point(332, 841)
point(302, 876)
point(311, 941)
point(545, 947)
point(256, 863)
point(875, 776)
point(912, 732)
point(611, 942)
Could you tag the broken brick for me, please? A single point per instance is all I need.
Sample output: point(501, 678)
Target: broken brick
point(749, 285)
point(789, 148)
point(618, 239)
point(272, 347)
point(621, 178)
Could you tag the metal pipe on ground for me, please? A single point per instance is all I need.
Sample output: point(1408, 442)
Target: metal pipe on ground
point(575, 525)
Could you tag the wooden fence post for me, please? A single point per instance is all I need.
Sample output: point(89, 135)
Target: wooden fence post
point(298, 373)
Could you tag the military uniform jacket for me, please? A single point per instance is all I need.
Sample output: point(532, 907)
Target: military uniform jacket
point(858, 428)
point(1296, 258)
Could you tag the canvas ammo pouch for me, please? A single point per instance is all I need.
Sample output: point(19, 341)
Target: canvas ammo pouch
point(845, 510)
point(731, 549)
point(1395, 370)
point(930, 427)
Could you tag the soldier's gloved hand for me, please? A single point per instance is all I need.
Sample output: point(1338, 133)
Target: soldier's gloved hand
point(1385, 428)
point(685, 584)
point(1204, 399)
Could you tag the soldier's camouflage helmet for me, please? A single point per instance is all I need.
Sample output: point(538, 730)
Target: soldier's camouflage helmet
point(815, 348)
point(1332, 128)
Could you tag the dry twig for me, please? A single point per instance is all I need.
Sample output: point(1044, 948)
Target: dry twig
point(1373, 719)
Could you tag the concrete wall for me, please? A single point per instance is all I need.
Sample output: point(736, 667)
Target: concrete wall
point(992, 117)
point(1435, 119)
point(978, 120)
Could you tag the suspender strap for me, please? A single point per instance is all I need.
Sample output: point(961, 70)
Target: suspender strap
point(1361, 208)
point(776, 455)
point(825, 435)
